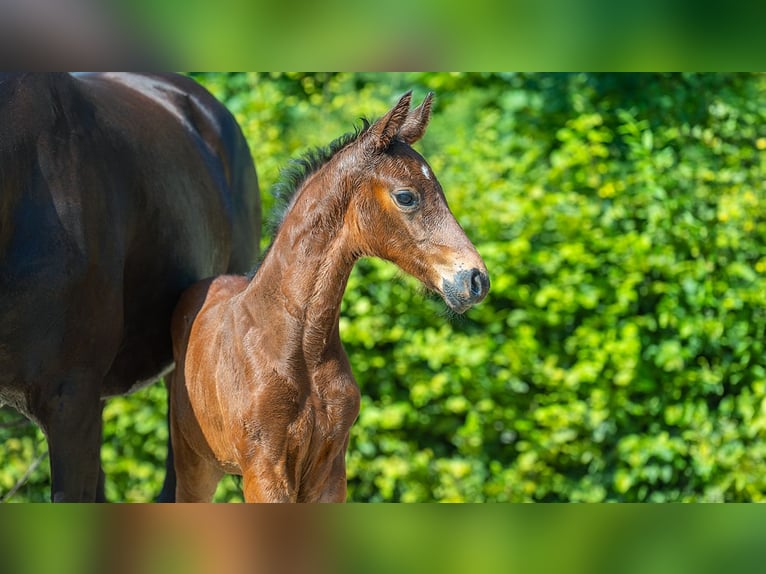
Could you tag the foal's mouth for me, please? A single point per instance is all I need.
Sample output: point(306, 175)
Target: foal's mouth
point(465, 289)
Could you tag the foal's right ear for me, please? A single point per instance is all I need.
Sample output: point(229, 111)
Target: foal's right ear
point(380, 134)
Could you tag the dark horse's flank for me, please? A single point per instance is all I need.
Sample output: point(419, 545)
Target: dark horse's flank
point(117, 191)
point(262, 386)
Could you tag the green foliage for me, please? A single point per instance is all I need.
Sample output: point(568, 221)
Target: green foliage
point(619, 354)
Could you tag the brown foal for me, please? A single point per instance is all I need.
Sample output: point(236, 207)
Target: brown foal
point(263, 387)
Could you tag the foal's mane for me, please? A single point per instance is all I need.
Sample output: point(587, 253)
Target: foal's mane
point(297, 171)
point(295, 174)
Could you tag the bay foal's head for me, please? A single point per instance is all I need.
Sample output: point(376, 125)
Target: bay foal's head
point(398, 211)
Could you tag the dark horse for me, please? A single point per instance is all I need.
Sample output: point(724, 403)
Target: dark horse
point(117, 191)
point(262, 386)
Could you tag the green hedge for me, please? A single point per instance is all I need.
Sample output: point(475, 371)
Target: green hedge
point(619, 355)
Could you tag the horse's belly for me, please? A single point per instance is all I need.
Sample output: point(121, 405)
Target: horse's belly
point(152, 288)
point(59, 320)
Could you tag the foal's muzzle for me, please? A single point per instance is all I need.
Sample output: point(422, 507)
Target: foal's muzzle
point(465, 289)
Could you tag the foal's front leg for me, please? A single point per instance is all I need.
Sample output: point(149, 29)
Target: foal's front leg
point(335, 489)
point(265, 481)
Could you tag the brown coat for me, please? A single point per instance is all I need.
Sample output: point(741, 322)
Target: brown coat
point(263, 387)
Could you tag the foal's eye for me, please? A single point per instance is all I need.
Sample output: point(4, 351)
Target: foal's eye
point(405, 198)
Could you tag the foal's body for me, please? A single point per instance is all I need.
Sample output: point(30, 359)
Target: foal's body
point(278, 424)
point(263, 387)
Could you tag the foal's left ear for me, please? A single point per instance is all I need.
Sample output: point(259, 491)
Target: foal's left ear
point(380, 134)
point(415, 125)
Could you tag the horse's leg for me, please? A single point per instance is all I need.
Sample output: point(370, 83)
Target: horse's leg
point(72, 423)
point(336, 486)
point(168, 492)
point(263, 481)
point(253, 488)
point(101, 487)
point(196, 478)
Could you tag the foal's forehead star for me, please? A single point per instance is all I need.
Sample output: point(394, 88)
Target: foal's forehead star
point(426, 171)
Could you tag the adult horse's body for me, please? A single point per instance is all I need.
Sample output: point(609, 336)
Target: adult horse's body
point(117, 191)
point(262, 386)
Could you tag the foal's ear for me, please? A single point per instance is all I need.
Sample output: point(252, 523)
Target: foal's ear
point(414, 126)
point(382, 132)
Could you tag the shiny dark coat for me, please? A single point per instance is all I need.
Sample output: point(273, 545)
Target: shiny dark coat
point(117, 191)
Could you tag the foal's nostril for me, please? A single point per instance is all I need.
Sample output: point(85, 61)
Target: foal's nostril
point(478, 284)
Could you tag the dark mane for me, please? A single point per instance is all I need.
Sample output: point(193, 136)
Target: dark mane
point(297, 171)
point(293, 176)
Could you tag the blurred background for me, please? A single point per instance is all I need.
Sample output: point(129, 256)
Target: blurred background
point(488, 34)
point(620, 353)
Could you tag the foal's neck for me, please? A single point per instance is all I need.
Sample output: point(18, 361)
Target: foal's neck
point(304, 275)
